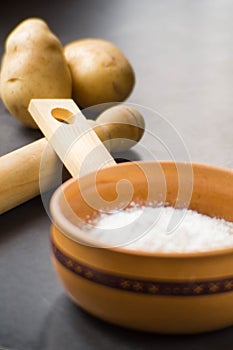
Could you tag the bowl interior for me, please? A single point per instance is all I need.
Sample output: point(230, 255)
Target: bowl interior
point(203, 188)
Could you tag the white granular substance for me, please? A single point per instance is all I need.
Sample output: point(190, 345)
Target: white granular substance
point(161, 229)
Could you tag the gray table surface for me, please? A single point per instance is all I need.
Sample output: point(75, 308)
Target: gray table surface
point(182, 53)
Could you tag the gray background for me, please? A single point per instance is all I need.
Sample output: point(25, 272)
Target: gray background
point(182, 54)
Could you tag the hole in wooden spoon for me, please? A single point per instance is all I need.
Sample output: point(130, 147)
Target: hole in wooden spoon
point(63, 115)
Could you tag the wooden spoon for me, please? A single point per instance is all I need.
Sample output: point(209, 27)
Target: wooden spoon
point(119, 127)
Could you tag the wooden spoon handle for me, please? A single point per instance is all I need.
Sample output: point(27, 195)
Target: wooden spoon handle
point(77, 145)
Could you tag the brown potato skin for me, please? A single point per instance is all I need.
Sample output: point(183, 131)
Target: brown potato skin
point(33, 66)
point(100, 72)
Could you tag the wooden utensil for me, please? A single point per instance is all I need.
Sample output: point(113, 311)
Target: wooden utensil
point(119, 128)
point(77, 145)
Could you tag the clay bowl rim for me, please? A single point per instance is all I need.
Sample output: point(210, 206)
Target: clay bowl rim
point(59, 221)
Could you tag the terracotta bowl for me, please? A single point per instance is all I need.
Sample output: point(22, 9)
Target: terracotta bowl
point(154, 292)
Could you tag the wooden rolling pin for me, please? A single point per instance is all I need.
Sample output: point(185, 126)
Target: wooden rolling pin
point(119, 127)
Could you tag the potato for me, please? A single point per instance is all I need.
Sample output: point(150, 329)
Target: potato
point(100, 72)
point(33, 66)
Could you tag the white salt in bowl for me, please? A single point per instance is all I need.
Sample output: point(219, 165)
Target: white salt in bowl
point(165, 292)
